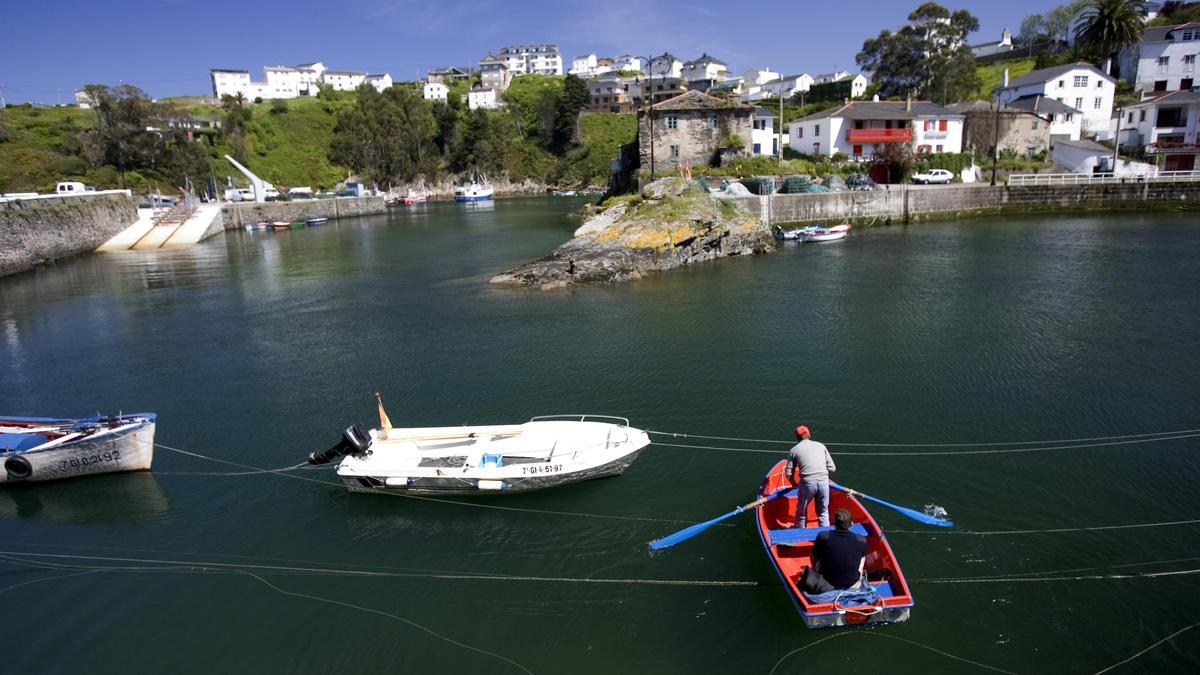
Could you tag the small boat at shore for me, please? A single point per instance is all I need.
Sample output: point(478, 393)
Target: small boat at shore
point(281, 225)
point(414, 198)
point(316, 221)
point(544, 452)
point(258, 226)
point(44, 448)
point(477, 190)
point(794, 233)
point(887, 599)
point(813, 233)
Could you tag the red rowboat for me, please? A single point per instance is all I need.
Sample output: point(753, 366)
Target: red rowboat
point(789, 550)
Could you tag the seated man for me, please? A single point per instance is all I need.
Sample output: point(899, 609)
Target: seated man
point(838, 556)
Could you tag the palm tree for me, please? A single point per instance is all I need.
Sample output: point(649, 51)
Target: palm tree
point(1110, 25)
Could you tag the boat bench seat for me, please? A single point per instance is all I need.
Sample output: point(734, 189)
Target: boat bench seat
point(795, 535)
point(883, 589)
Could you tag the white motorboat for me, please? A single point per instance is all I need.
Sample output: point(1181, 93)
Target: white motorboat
point(544, 452)
point(825, 234)
point(794, 233)
point(42, 448)
point(477, 190)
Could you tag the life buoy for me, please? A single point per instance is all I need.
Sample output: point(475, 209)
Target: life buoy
point(18, 468)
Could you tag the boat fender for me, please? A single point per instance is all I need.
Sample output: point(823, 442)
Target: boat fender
point(355, 441)
point(18, 468)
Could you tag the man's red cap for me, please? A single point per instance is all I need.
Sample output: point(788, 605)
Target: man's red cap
point(802, 431)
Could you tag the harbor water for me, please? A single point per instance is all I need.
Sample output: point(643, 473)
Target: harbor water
point(256, 348)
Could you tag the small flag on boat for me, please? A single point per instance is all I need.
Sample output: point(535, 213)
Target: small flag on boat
point(384, 422)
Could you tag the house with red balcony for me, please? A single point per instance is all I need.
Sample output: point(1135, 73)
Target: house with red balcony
point(1167, 126)
point(861, 129)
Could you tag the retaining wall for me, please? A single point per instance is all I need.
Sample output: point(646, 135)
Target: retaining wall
point(237, 215)
point(35, 231)
point(900, 203)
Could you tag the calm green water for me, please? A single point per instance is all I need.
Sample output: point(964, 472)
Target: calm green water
point(259, 347)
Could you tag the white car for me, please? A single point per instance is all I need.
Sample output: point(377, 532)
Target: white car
point(933, 176)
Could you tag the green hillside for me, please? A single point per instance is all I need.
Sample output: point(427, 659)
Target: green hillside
point(992, 75)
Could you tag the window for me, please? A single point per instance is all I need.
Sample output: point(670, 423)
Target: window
point(758, 148)
point(1160, 85)
point(816, 148)
point(1185, 84)
point(1096, 105)
point(1189, 58)
point(816, 130)
point(929, 125)
point(1062, 83)
point(1035, 126)
point(799, 131)
point(856, 150)
point(1164, 60)
point(942, 126)
point(1079, 104)
point(1142, 117)
point(712, 121)
point(672, 122)
point(1099, 83)
point(1080, 81)
point(1130, 120)
point(674, 152)
point(1188, 35)
point(1068, 117)
point(939, 148)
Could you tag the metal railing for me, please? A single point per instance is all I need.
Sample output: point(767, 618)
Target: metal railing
point(1103, 178)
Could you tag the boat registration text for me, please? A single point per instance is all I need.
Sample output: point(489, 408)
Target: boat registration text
point(549, 468)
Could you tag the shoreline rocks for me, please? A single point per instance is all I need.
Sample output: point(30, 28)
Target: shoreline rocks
point(672, 223)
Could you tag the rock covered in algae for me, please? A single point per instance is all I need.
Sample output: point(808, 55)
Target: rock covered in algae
point(672, 223)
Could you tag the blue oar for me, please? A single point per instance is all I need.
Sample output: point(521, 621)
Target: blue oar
point(693, 530)
point(915, 515)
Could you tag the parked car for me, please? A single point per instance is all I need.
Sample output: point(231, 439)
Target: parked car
point(933, 176)
point(71, 187)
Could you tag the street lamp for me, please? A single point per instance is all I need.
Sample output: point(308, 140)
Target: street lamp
point(1116, 143)
point(650, 108)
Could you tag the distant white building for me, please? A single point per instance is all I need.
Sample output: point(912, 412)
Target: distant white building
point(484, 99)
point(1081, 86)
point(436, 91)
point(784, 87)
point(705, 68)
point(1002, 46)
point(763, 139)
point(826, 78)
point(291, 81)
point(584, 66)
point(666, 65)
point(1166, 58)
point(1065, 122)
point(528, 59)
point(628, 62)
point(83, 100)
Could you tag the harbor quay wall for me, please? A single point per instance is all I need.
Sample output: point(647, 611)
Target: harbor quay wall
point(36, 231)
point(901, 203)
point(238, 214)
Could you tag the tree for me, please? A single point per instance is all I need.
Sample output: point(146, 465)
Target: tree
point(572, 100)
point(927, 57)
point(1109, 25)
point(386, 136)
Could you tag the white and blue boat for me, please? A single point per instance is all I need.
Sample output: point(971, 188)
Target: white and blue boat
point(46, 448)
point(477, 190)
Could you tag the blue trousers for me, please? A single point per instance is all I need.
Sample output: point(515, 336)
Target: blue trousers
point(809, 490)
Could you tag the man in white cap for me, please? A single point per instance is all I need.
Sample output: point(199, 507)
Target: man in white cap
point(808, 468)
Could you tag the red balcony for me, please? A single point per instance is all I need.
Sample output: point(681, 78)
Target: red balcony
point(878, 135)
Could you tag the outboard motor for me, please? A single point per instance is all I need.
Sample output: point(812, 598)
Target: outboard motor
point(355, 441)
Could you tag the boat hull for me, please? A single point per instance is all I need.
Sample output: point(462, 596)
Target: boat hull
point(473, 198)
point(126, 449)
point(540, 454)
point(894, 603)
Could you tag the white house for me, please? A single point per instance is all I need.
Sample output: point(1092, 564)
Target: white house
point(1081, 86)
point(436, 91)
point(83, 100)
point(763, 139)
point(1065, 122)
point(705, 68)
point(1003, 46)
point(666, 65)
point(628, 62)
point(583, 66)
point(482, 98)
point(1166, 58)
point(860, 129)
point(1089, 157)
point(292, 81)
point(826, 78)
point(1166, 125)
point(542, 59)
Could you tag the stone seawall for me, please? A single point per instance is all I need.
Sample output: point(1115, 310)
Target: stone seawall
point(902, 203)
point(35, 231)
point(237, 215)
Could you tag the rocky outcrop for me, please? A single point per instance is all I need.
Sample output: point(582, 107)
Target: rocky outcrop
point(672, 223)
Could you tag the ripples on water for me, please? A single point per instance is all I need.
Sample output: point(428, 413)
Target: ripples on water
point(260, 347)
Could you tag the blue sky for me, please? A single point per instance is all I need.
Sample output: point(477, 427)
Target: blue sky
point(168, 46)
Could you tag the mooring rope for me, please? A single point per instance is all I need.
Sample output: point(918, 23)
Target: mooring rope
point(50, 560)
point(835, 636)
point(929, 445)
point(1147, 649)
point(496, 507)
point(1054, 530)
point(936, 453)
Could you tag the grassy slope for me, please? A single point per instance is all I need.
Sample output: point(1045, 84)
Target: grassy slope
point(992, 74)
point(32, 160)
point(602, 134)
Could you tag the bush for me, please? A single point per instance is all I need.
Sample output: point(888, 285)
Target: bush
point(279, 106)
point(258, 99)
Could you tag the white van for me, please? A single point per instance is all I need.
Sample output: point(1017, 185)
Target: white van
point(71, 187)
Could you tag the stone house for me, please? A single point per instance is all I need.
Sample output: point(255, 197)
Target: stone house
point(693, 128)
point(1007, 128)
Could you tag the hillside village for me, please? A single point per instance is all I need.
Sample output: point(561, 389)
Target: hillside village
point(1034, 101)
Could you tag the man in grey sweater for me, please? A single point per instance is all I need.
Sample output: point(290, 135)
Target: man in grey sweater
point(808, 468)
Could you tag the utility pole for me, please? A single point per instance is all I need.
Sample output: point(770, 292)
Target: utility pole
point(780, 136)
point(1116, 144)
point(995, 138)
point(650, 110)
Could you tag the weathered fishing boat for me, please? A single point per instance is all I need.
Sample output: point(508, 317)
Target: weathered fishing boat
point(316, 221)
point(794, 233)
point(888, 600)
point(43, 448)
point(544, 452)
point(478, 189)
point(826, 234)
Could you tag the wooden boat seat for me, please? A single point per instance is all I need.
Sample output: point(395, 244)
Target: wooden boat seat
point(796, 535)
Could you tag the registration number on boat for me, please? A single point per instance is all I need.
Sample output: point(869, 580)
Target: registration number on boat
point(76, 462)
point(548, 468)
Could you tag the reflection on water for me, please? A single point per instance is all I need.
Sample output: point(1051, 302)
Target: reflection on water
point(124, 497)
